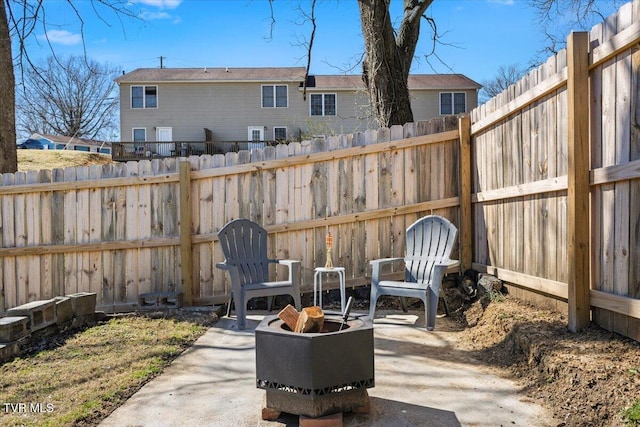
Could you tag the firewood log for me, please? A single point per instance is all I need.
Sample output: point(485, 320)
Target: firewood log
point(311, 320)
point(289, 315)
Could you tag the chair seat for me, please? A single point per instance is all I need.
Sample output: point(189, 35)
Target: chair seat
point(403, 285)
point(271, 285)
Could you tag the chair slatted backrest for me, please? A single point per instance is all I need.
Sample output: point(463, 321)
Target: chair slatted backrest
point(244, 244)
point(429, 240)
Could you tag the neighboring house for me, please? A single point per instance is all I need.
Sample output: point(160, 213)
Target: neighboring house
point(55, 142)
point(266, 104)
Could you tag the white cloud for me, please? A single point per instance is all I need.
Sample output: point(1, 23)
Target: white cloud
point(62, 37)
point(161, 4)
point(153, 16)
point(503, 2)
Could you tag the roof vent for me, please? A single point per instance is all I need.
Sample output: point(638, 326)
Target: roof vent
point(226, 70)
point(205, 69)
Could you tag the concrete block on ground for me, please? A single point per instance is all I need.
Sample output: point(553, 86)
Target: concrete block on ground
point(83, 303)
point(319, 406)
point(64, 310)
point(80, 321)
point(40, 313)
point(8, 351)
point(13, 328)
point(159, 300)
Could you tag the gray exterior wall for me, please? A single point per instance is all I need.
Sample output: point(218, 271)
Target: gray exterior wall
point(229, 108)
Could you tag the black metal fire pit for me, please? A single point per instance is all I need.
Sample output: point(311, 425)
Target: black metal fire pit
point(315, 374)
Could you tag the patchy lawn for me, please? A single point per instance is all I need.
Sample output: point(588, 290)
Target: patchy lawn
point(80, 378)
point(51, 159)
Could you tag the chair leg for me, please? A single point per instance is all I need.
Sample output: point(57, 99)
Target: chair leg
point(444, 303)
point(229, 305)
point(373, 299)
point(431, 308)
point(241, 311)
point(403, 304)
point(296, 300)
point(270, 303)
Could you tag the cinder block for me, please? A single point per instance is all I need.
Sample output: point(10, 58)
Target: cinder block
point(64, 310)
point(12, 349)
point(159, 300)
point(83, 303)
point(333, 420)
point(13, 328)
point(40, 313)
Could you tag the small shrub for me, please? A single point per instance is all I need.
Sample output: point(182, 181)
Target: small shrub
point(495, 296)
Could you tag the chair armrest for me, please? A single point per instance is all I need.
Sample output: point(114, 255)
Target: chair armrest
point(294, 271)
point(234, 274)
point(439, 271)
point(376, 267)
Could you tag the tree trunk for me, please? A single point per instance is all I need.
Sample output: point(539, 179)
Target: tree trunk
point(9, 157)
point(388, 57)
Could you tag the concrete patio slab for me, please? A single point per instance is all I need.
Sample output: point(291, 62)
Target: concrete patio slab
point(422, 379)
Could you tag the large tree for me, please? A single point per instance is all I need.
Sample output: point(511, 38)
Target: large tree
point(71, 96)
point(388, 56)
point(21, 19)
point(9, 157)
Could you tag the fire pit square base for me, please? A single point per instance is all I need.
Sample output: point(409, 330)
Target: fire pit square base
point(348, 401)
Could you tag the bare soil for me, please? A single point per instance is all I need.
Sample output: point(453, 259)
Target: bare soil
point(585, 379)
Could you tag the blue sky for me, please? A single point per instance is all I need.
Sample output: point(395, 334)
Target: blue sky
point(481, 35)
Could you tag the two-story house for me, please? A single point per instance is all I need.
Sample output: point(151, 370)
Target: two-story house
point(266, 104)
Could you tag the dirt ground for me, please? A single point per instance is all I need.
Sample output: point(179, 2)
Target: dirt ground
point(586, 379)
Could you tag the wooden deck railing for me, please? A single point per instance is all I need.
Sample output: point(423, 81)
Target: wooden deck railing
point(125, 151)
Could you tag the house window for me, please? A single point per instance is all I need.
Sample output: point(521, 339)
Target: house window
point(139, 134)
point(453, 103)
point(323, 104)
point(280, 133)
point(144, 97)
point(275, 96)
point(139, 137)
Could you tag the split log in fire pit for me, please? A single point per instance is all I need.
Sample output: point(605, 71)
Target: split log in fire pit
point(309, 320)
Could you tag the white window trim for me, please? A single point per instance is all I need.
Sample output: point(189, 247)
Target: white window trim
point(144, 97)
point(274, 95)
point(452, 93)
point(286, 132)
point(323, 95)
point(133, 130)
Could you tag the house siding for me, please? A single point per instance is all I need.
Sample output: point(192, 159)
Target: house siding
point(229, 108)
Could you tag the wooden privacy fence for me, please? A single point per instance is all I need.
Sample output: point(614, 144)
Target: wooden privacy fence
point(123, 229)
point(556, 177)
point(542, 181)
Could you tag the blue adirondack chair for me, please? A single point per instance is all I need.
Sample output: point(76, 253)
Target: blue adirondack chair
point(429, 243)
point(244, 244)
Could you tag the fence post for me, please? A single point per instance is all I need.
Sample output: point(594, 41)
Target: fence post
point(466, 231)
point(185, 232)
point(578, 180)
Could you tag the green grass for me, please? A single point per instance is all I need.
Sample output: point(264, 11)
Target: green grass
point(80, 380)
point(631, 415)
